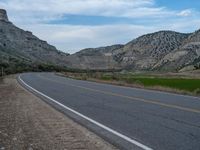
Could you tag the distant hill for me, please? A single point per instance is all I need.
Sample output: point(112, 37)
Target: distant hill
point(160, 51)
point(95, 58)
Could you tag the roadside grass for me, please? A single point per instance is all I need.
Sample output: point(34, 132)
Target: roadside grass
point(177, 84)
point(182, 84)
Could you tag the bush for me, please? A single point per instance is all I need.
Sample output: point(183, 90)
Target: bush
point(17, 66)
point(197, 91)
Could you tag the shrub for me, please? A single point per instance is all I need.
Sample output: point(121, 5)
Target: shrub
point(197, 91)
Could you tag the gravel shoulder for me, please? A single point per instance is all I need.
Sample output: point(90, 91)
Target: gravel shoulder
point(26, 122)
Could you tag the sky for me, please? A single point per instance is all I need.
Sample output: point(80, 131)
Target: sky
point(72, 25)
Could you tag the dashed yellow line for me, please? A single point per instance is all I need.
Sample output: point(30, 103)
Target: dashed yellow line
point(132, 98)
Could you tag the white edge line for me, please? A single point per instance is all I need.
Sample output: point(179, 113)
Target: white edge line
point(89, 119)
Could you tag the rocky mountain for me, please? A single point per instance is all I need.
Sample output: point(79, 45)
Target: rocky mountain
point(185, 57)
point(95, 58)
point(144, 52)
point(162, 51)
point(17, 45)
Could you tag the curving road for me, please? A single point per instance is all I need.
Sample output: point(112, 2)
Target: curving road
point(129, 118)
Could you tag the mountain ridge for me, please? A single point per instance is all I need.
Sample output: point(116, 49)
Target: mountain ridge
point(159, 51)
point(153, 51)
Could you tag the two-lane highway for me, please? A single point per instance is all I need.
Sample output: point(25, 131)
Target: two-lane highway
point(130, 118)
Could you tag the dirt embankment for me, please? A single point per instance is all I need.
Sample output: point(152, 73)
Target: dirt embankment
point(27, 123)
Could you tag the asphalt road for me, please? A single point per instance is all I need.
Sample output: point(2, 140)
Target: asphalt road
point(129, 118)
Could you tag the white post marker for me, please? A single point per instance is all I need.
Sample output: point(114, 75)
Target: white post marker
point(89, 119)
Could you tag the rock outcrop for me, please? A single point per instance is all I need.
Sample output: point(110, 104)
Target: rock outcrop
point(16, 43)
point(3, 15)
point(144, 52)
point(185, 56)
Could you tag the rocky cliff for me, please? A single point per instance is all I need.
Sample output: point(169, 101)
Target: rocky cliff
point(3, 15)
point(19, 45)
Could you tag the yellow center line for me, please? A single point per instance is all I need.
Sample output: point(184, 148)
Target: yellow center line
point(130, 97)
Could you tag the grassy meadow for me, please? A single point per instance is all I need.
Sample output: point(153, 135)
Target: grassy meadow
point(176, 83)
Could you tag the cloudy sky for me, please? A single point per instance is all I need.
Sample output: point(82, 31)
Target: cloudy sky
point(72, 25)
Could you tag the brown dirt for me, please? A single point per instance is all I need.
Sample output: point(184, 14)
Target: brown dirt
point(26, 122)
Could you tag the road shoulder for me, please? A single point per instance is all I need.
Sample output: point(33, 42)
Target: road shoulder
point(26, 122)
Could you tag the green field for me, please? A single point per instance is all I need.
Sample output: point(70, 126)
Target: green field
point(182, 84)
point(186, 84)
point(175, 82)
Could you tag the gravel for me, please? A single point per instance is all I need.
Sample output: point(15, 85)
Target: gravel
point(26, 122)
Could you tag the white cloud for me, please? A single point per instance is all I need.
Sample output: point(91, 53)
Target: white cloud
point(33, 15)
point(42, 10)
point(71, 38)
point(183, 25)
point(185, 13)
